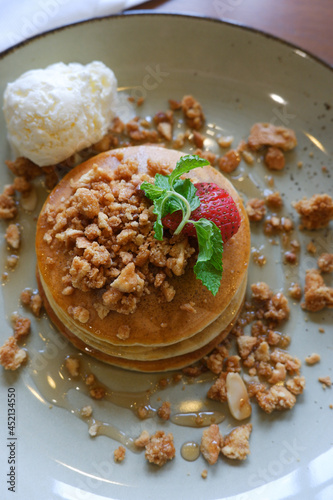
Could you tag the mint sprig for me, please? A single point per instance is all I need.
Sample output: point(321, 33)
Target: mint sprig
point(170, 194)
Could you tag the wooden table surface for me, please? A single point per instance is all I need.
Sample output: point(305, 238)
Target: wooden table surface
point(305, 23)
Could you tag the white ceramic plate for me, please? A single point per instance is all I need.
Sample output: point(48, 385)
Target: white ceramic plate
point(240, 77)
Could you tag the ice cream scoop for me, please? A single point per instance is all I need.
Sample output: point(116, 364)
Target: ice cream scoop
point(54, 112)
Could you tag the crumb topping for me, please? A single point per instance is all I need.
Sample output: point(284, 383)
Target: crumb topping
point(193, 112)
point(312, 359)
point(13, 236)
point(142, 440)
point(317, 295)
point(21, 327)
point(119, 454)
point(72, 366)
point(164, 411)
point(211, 443)
point(326, 381)
point(160, 448)
point(106, 227)
point(325, 262)
point(266, 134)
point(236, 444)
point(11, 356)
point(315, 212)
point(255, 209)
point(274, 159)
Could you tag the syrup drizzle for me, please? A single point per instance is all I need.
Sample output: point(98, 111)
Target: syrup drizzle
point(58, 388)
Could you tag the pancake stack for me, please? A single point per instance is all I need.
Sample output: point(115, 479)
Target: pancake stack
point(161, 335)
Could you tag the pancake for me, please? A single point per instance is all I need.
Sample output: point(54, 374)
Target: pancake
point(160, 334)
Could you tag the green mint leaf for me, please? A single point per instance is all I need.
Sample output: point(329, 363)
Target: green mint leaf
point(209, 263)
point(158, 210)
point(152, 191)
point(162, 181)
point(209, 275)
point(187, 189)
point(184, 165)
point(173, 204)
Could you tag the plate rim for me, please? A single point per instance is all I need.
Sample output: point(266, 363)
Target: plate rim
point(150, 12)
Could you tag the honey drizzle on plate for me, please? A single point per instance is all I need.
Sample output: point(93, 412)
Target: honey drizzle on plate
point(56, 386)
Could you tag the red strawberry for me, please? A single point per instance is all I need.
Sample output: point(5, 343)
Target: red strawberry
point(216, 205)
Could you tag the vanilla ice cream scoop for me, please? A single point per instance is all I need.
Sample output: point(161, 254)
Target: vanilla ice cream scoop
point(54, 112)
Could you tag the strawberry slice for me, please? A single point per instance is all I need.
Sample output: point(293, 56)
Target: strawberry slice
point(216, 205)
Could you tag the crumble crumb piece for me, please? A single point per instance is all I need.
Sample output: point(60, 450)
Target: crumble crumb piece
point(255, 209)
point(225, 141)
point(312, 359)
point(12, 261)
point(276, 398)
point(274, 200)
point(79, 313)
point(274, 159)
point(93, 429)
point(261, 291)
point(315, 212)
point(32, 299)
point(277, 308)
point(214, 362)
point(165, 130)
point(142, 412)
point(142, 440)
point(189, 307)
point(164, 411)
point(266, 134)
point(325, 262)
point(193, 112)
point(8, 207)
point(11, 356)
point(36, 304)
point(279, 374)
point(73, 366)
point(258, 257)
point(175, 105)
point(119, 454)
point(232, 364)
point(326, 381)
point(97, 392)
point(211, 443)
point(160, 448)
point(275, 224)
point(218, 391)
point(90, 379)
point(291, 363)
point(206, 155)
point(13, 236)
point(236, 444)
point(86, 411)
point(204, 474)
point(296, 385)
point(21, 327)
point(229, 162)
point(262, 353)
point(123, 332)
point(198, 139)
point(316, 294)
point(311, 248)
point(248, 157)
point(295, 291)
point(290, 257)
point(246, 344)
point(194, 370)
